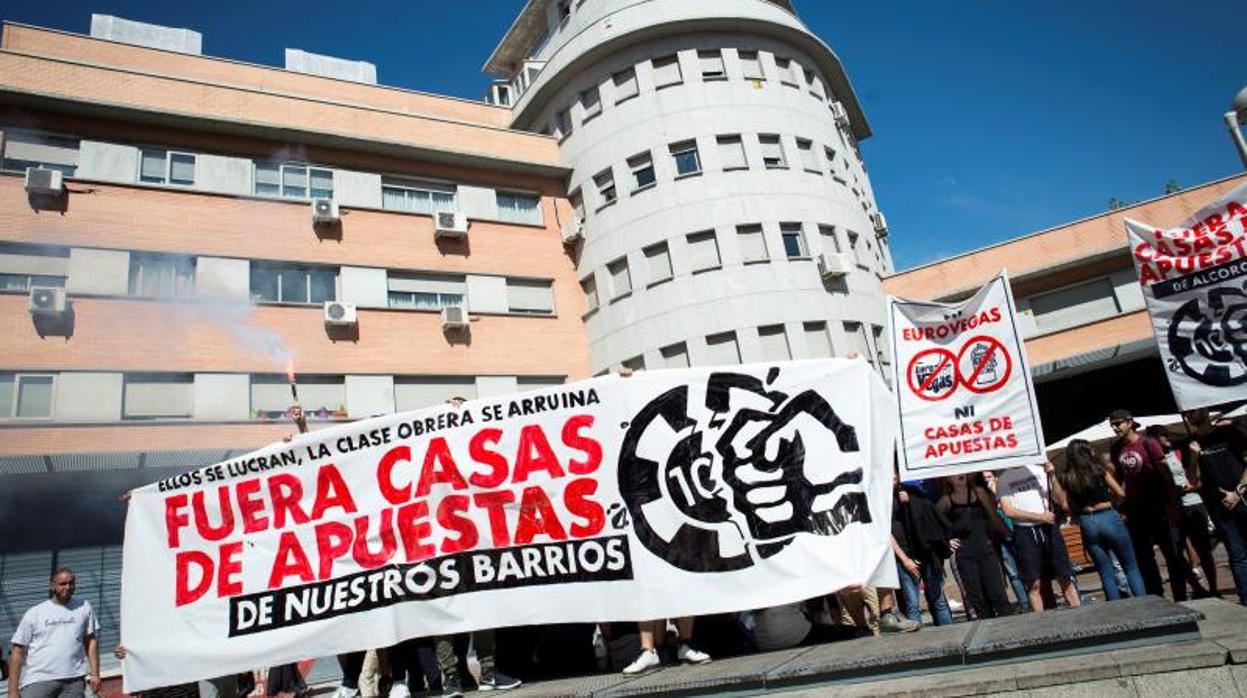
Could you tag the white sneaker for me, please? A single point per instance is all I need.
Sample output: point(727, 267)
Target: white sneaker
point(689, 655)
point(397, 690)
point(956, 606)
point(344, 692)
point(648, 660)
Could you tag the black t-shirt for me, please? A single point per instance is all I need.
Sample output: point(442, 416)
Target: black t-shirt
point(1220, 461)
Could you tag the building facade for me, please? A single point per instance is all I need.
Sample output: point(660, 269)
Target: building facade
point(1080, 309)
point(722, 208)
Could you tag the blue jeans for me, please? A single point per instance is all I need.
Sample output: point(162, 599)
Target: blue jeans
point(1233, 527)
point(1104, 532)
point(932, 571)
point(1012, 574)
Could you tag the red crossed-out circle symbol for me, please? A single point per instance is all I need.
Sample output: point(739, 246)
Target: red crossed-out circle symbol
point(989, 364)
point(932, 374)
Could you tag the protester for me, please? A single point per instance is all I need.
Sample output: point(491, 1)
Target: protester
point(1194, 522)
point(1004, 549)
point(1150, 504)
point(920, 544)
point(971, 509)
point(413, 666)
point(1041, 554)
point(1220, 452)
point(54, 646)
point(648, 659)
point(1085, 489)
point(352, 665)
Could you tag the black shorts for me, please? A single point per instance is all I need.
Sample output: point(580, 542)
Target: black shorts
point(1040, 553)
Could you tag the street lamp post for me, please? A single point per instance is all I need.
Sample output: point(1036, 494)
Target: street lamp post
point(1234, 119)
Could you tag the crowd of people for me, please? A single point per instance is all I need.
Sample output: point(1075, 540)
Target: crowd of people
point(999, 533)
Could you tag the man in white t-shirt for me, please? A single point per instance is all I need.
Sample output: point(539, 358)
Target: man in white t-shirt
point(1037, 543)
point(54, 646)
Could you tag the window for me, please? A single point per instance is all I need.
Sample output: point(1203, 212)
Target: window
point(667, 71)
point(750, 66)
point(161, 275)
point(721, 349)
point(813, 83)
point(830, 156)
point(1074, 305)
point(621, 279)
point(794, 240)
point(281, 283)
point(711, 63)
point(26, 395)
point(881, 346)
point(293, 181)
point(416, 197)
point(322, 397)
point(675, 356)
point(23, 266)
point(418, 392)
point(165, 167)
point(591, 103)
point(514, 207)
point(605, 182)
point(786, 71)
point(589, 286)
point(774, 343)
point(827, 234)
point(538, 382)
point(809, 161)
point(158, 396)
point(425, 291)
point(530, 296)
point(24, 149)
point(703, 251)
point(636, 363)
point(686, 159)
point(731, 152)
point(772, 152)
point(856, 335)
point(563, 120)
point(752, 243)
point(625, 84)
point(642, 167)
point(817, 341)
point(658, 262)
point(856, 249)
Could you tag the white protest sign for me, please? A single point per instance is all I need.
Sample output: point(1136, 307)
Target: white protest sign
point(664, 494)
point(1194, 280)
point(963, 385)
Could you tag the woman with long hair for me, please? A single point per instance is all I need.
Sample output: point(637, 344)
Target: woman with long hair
point(971, 508)
point(1084, 488)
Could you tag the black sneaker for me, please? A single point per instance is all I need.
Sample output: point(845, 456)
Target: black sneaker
point(494, 680)
point(452, 686)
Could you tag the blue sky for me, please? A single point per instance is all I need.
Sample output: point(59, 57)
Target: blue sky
point(991, 119)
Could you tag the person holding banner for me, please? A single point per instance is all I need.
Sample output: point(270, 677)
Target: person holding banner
point(1150, 504)
point(920, 544)
point(1086, 490)
point(1220, 452)
point(971, 508)
point(1041, 553)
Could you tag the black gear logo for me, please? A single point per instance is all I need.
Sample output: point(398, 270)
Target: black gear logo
point(736, 487)
point(1209, 344)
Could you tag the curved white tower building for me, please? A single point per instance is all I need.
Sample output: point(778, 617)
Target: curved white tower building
point(723, 206)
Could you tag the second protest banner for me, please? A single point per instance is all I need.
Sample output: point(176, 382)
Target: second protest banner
point(664, 494)
point(963, 385)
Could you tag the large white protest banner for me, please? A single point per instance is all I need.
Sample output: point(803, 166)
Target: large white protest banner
point(1194, 280)
point(662, 494)
point(964, 394)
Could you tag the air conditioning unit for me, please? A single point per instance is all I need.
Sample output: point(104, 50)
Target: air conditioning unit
point(454, 317)
point(573, 231)
point(42, 180)
point(834, 264)
point(340, 314)
point(325, 211)
point(841, 116)
point(881, 224)
point(47, 300)
point(450, 224)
